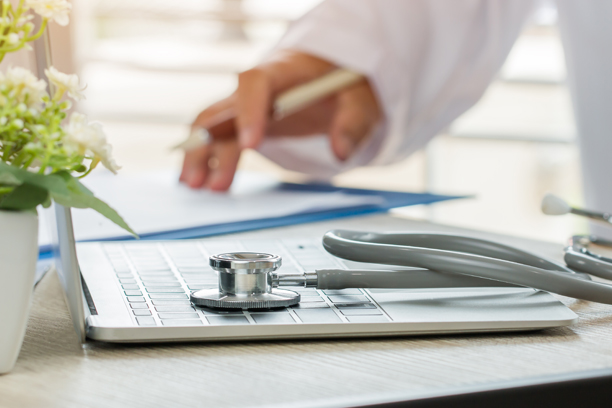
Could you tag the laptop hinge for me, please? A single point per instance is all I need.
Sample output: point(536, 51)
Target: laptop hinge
point(88, 298)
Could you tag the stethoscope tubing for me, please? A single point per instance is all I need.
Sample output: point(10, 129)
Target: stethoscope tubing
point(453, 254)
point(578, 257)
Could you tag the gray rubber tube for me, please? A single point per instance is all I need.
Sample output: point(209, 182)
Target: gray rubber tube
point(453, 254)
point(407, 279)
point(585, 261)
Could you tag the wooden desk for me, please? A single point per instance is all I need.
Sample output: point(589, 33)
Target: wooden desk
point(54, 370)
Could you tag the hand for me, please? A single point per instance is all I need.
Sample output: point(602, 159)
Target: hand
point(347, 117)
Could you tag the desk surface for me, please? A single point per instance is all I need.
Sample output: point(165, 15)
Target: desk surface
point(54, 370)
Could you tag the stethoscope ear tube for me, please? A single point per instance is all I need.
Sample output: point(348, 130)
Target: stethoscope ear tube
point(581, 259)
point(406, 279)
point(440, 253)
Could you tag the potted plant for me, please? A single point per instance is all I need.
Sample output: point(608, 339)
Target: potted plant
point(43, 154)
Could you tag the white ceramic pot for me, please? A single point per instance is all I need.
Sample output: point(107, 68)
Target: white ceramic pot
point(18, 256)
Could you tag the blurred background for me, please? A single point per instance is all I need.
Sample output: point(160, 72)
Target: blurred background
point(152, 65)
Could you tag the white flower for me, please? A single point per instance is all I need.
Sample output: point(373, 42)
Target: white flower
point(65, 83)
point(54, 10)
point(13, 38)
point(25, 87)
point(85, 137)
point(24, 19)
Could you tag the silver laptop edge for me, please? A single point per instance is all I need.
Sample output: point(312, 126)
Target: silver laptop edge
point(113, 321)
point(66, 265)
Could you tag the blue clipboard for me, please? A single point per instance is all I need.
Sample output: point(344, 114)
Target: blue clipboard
point(390, 199)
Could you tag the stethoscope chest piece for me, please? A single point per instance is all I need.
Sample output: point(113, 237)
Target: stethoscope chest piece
point(245, 282)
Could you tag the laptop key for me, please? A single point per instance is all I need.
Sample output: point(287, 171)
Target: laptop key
point(272, 318)
point(202, 281)
point(367, 319)
point(182, 322)
point(133, 293)
point(202, 286)
point(165, 290)
point(193, 315)
point(171, 302)
point(146, 321)
point(146, 281)
point(305, 294)
point(127, 281)
point(342, 306)
point(348, 299)
point(162, 284)
point(195, 272)
point(152, 268)
point(175, 309)
point(156, 272)
point(311, 299)
point(160, 276)
point(273, 310)
point(343, 292)
point(167, 296)
point(311, 306)
point(208, 311)
point(130, 287)
point(142, 312)
point(227, 320)
point(360, 312)
point(139, 306)
point(317, 316)
point(194, 269)
point(137, 299)
point(302, 290)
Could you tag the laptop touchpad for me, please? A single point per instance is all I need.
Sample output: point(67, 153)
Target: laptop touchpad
point(469, 304)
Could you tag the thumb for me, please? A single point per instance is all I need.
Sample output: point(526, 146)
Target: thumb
point(357, 112)
point(253, 107)
point(348, 129)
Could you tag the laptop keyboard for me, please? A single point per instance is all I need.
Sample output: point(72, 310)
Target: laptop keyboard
point(156, 279)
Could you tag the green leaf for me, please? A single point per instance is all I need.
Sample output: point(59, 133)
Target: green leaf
point(47, 202)
point(52, 182)
point(24, 197)
point(8, 179)
point(81, 197)
point(65, 190)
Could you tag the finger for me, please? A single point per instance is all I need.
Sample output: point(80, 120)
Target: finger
point(195, 167)
point(345, 133)
point(204, 118)
point(195, 163)
point(252, 107)
point(224, 161)
point(314, 119)
point(356, 115)
point(288, 68)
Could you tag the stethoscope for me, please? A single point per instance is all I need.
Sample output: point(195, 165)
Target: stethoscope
point(250, 280)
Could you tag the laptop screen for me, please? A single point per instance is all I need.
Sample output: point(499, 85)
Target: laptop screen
point(66, 264)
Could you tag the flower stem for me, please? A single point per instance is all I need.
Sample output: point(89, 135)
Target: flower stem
point(19, 159)
point(6, 190)
point(40, 31)
point(94, 163)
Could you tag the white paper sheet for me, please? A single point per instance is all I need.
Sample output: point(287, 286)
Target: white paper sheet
point(156, 202)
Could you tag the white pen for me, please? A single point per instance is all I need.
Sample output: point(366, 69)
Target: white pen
point(293, 100)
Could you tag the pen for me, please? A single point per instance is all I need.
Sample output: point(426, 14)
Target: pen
point(288, 102)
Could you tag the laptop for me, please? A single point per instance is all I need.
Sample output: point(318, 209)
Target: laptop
point(138, 291)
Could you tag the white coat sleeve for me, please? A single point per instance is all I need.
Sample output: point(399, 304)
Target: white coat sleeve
point(587, 41)
point(428, 61)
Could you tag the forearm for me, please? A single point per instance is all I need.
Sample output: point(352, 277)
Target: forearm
point(428, 61)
